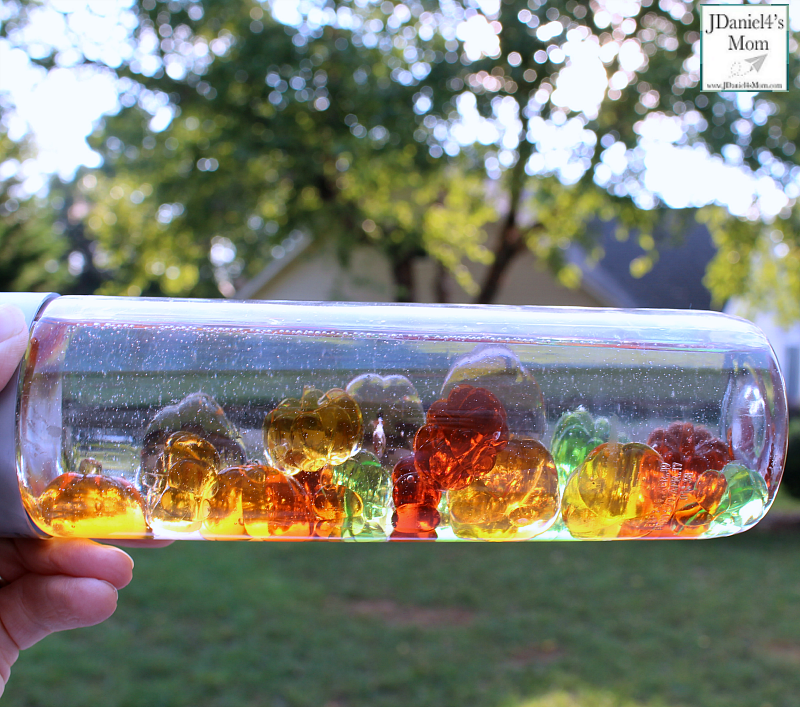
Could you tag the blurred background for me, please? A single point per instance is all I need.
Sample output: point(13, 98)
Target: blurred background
point(489, 151)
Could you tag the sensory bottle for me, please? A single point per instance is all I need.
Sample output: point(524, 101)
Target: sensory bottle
point(226, 420)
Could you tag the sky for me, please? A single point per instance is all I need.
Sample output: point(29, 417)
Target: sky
point(59, 109)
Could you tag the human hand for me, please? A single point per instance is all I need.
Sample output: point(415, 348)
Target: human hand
point(49, 585)
point(13, 341)
point(54, 585)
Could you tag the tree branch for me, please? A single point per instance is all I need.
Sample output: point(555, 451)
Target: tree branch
point(510, 242)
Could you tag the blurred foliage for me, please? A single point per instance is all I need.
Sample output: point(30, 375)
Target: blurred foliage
point(30, 246)
point(238, 131)
point(761, 261)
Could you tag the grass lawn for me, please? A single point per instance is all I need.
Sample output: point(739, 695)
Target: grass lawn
point(622, 624)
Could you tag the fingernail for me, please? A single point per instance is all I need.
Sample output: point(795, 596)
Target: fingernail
point(12, 322)
point(123, 553)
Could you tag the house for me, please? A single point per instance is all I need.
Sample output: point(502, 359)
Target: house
point(785, 343)
point(308, 271)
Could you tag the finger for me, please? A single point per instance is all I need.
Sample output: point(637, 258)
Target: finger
point(150, 543)
point(13, 340)
point(35, 606)
point(74, 557)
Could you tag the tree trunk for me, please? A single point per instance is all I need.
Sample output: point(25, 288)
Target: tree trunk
point(403, 276)
point(510, 243)
point(440, 286)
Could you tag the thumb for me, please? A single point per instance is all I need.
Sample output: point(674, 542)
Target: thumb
point(35, 606)
point(13, 340)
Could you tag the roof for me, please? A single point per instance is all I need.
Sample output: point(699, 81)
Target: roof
point(675, 281)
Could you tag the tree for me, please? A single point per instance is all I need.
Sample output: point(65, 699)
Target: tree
point(30, 243)
point(342, 121)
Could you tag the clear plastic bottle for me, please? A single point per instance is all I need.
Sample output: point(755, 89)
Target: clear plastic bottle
point(368, 422)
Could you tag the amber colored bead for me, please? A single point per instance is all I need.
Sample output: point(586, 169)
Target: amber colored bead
point(91, 506)
point(337, 503)
point(702, 503)
point(415, 517)
point(618, 483)
point(326, 530)
point(29, 501)
point(708, 491)
point(577, 432)
point(314, 431)
point(474, 505)
point(225, 520)
point(517, 499)
point(274, 505)
point(697, 458)
point(313, 481)
point(413, 487)
point(398, 536)
point(178, 491)
point(90, 465)
point(497, 368)
point(582, 521)
point(200, 415)
point(691, 446)
point(339, 511)
point(403, 467)
point(461, 437)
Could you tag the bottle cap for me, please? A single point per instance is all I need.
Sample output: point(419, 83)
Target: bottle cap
point(14, 521)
